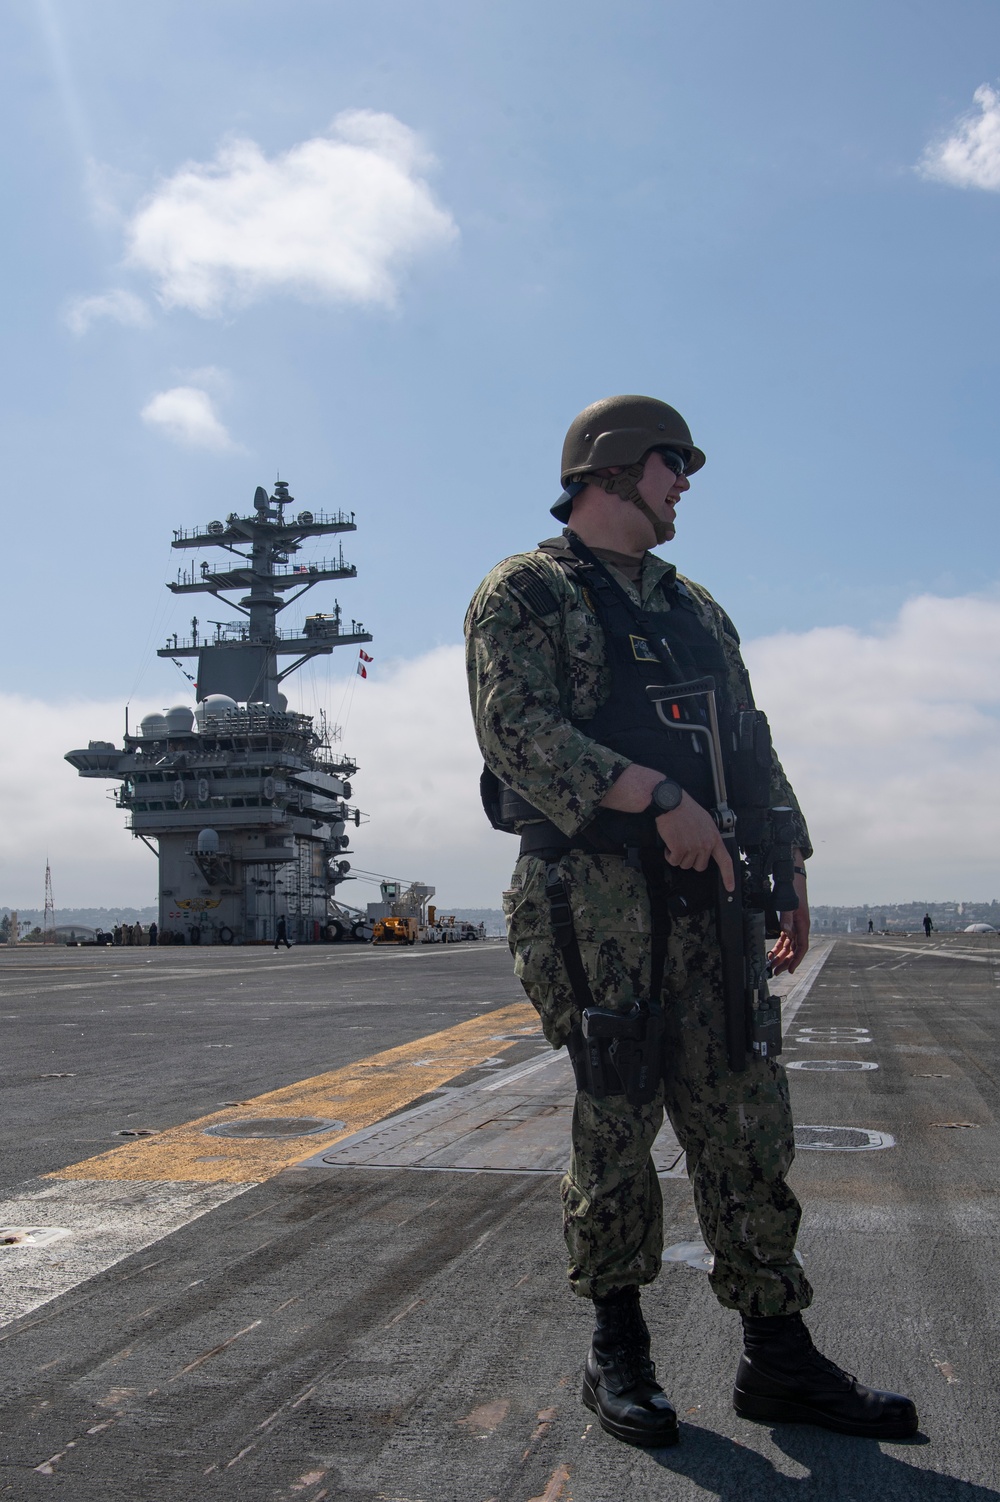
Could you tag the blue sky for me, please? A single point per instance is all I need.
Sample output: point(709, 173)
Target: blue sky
point(715, 203)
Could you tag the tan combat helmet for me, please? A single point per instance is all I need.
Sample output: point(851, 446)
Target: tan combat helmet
point(621, 430)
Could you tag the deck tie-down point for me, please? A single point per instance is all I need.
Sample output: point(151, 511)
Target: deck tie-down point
point(833, 1139)
point(31, 1236)
point(819, 1066)
point(273, 1126)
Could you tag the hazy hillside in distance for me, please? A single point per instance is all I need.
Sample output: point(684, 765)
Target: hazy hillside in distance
point(905, 917)
point(88, 917)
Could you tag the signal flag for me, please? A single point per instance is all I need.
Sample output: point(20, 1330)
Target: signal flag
point(364, 656)
point(362, 670)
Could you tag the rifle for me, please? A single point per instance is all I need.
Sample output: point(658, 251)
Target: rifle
point(749, 912)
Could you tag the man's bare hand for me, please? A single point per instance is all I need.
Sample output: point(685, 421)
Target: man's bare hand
point(790, 949)
point(691, 838)
point(690, 835)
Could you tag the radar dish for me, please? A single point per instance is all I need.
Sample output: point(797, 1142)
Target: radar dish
point(261, 499)
point(305, 518)
point(215, 529)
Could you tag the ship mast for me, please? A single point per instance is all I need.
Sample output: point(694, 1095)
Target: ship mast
point(242, 660)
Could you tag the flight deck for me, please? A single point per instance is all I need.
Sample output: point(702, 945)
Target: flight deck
point(286, 1226)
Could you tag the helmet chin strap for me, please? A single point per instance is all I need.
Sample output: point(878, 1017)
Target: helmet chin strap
point(623, 484)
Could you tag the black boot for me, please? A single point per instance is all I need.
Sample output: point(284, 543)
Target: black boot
point(783, 1379)
point(619, 1383)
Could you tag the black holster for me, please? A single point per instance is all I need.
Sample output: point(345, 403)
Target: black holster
point(623, 1053)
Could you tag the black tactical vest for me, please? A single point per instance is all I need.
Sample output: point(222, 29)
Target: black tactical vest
point(648, 647)
point(644, 647)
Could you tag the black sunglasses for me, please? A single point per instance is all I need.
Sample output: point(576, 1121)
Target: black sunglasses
point(674, 459)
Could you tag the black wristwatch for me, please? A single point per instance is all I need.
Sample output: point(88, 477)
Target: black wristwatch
point(666, 796)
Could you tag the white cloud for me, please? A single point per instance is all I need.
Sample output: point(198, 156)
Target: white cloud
point(211, 377)
point(410, 730)
point(892, 741)
point(970, 156)
point(335, 218)
point(119, 305)
point(187, 414)
point(46, 809)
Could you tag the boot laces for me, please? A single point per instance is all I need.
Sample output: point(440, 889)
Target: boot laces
point(633, 1366)
point(820, 1363)
point(813, 1361)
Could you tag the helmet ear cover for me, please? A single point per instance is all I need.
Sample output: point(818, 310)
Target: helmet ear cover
point(622, 484)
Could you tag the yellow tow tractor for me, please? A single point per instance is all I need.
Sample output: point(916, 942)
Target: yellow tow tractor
point(395, 930)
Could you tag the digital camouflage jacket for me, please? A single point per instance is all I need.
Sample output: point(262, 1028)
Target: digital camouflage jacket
point(531, 674)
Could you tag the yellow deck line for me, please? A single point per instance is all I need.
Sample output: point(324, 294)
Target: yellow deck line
point(358, 1095)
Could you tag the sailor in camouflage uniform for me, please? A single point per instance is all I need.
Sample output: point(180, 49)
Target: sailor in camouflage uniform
point(614, 826)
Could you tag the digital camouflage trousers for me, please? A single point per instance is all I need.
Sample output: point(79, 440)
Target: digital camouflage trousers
point(735, 1129)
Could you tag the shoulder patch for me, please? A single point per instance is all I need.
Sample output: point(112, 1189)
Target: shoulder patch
point(536, 593)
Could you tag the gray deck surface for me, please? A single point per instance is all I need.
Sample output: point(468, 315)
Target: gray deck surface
point(390, 1322)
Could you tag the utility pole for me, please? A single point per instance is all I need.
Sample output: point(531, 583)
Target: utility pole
point(49, 915)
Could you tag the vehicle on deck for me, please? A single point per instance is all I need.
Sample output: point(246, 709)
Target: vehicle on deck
point(393, 930)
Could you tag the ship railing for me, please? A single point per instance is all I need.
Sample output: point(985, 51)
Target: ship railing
point(337, 565)
point(259, 717)
point(324, 566)
point(319, 519)
point(330, 629)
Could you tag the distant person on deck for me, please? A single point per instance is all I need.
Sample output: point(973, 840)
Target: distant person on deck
point(871, 926)
point(928, 925)
point(154, 933)
point(281, 934)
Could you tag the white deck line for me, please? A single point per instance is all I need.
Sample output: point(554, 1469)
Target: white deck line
point(793, 998)
point(925, 954)
point(511, 1077)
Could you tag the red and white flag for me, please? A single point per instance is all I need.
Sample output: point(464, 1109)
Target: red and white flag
point(364, 656)
point(362, 670)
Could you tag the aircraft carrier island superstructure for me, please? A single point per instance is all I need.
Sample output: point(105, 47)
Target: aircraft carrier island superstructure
point(247, 802)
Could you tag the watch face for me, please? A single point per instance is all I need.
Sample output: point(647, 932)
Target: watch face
point(667, 795)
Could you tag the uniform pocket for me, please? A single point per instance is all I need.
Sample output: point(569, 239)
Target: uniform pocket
point(611, 922)
point(538, 963)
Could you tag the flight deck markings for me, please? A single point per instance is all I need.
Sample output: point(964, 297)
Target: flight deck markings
point(125, 1200)
point(172, 972)
point(130, 1197)
point(358, 1095)
point(924, 954)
